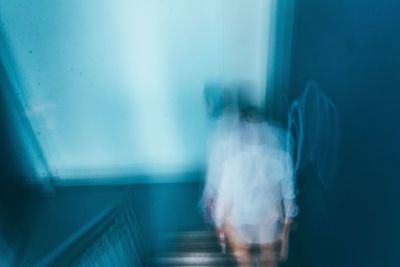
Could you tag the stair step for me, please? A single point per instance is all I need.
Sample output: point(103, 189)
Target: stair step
point(194, 248)
point(199, 259)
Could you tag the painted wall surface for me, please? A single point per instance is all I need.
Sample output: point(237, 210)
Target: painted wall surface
point(352, 49)
point(116, 87)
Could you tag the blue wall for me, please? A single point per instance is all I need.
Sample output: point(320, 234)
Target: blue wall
point(352, 49)
point(116, 88)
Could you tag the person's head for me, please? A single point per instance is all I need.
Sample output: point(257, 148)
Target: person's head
point(247, 101)
point(251, 113)
point(229, 99)
point(213, 95)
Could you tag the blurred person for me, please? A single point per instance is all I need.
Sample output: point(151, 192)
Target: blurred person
point(223, 140)
point(255, 203)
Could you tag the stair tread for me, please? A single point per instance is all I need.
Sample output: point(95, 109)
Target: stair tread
point(193, 248)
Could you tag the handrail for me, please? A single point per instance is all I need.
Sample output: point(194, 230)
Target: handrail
point(79, 246)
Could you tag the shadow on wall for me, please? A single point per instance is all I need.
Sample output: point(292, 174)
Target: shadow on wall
point(352, 48)
point(314, 128)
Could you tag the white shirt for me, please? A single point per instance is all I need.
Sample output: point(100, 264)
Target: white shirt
point(256, 187)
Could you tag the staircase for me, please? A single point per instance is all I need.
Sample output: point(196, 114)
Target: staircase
point(194, 248)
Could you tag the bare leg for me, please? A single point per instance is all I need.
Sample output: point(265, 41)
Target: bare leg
point(269, 255)
point(240, 248)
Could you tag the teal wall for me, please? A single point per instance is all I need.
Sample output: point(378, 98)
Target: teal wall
point(115, 88)
point(352, 49)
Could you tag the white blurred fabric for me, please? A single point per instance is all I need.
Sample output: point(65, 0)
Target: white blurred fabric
point(222, 143)
point(256, 190)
